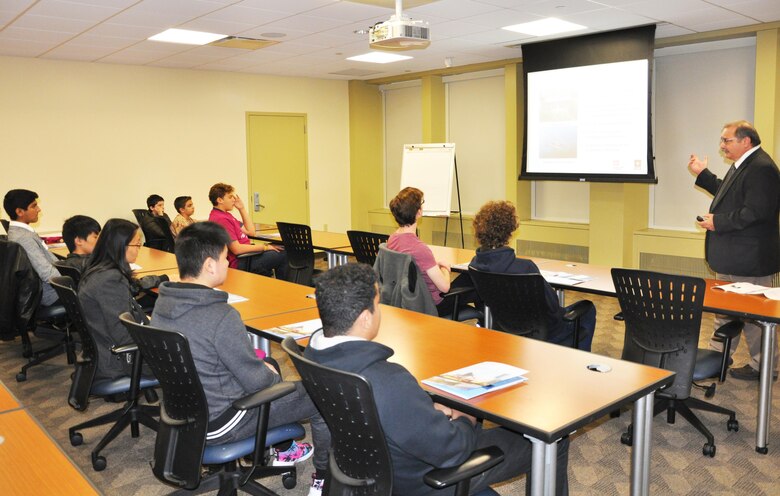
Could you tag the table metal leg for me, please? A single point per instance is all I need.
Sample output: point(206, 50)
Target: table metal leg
point(260, 343)
point(544, 458)
point(643, 439)
point(336, 259)
point(768, 337)
point(561, 297)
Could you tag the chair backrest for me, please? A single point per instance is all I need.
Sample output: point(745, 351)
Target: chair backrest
point(346, 402)
point(70, 271)
point(5, 224)
point(140, 213)
point(517, 302)
point(365, 245)
point(662, 314)
point(401, 283)
point(184, 413)
point(87, 361)
point(300, 252)
point(21, 290)
point(157, 232)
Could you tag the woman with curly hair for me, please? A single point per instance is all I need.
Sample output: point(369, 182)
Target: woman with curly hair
point(493, 227)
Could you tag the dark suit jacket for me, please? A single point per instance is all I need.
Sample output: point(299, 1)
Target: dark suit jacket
point(746, 239)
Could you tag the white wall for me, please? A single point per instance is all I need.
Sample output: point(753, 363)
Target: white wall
point(97, 139)
point(698, 88)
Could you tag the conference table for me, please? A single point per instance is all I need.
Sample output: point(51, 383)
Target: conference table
point(556, 400)
point(333, 244)
point(30, 461)
point(150, 260)
point(765, 312)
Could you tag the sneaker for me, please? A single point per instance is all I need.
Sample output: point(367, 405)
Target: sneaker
point(297, 452)
point(747, 373)
point(316, 486)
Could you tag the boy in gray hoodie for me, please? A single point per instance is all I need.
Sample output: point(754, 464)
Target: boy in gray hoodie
point(227, 365)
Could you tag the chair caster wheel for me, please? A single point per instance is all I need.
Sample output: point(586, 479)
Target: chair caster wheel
point(289, 481)
point(708, 450)
point(733, 425)
point(21, 377)
point(627, 439)
point(76, 439)
point(763, 450)
point(98, 463)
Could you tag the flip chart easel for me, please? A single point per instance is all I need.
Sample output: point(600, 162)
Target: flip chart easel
point(431, 167)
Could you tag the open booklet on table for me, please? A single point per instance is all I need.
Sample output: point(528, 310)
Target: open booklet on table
point(748, 288)
point(298, 330)
point(478, 379)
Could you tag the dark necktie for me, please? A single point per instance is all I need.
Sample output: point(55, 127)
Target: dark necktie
point(724, 186)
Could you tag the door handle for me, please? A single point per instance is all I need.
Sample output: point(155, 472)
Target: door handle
point(258, 206)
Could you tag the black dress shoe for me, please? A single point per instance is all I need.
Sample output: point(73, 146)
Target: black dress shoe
point(747, 373)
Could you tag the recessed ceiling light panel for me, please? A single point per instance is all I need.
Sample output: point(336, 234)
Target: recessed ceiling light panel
point(379, 57)
point(187, 37)
point(545, 27)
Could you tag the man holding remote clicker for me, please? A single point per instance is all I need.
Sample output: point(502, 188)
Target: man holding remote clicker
point(742, 242)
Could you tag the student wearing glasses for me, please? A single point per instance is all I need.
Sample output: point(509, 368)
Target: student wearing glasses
point(108, 288)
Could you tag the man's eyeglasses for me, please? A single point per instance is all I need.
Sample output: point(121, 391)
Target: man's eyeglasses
point(728, 140)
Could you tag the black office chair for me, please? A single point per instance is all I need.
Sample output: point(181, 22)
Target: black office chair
point(20, 310)
point(662, 314)
point(359, 459)
point(401, 285)
point(180, 450)
point(70, 271)
point(84, 386)
point(365, 245)
point(300, 252)
point(139, 214)
point(5, 224)
point(516, 304)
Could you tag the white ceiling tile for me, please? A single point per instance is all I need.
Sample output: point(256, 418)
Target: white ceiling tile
point(72, 51)
point(560, 8)
point(167, 13)
point(500, 18)
point(23, 48)
point(346, 11)
point(722, 24)
point(666, 30)
point(120, 4)
point(216, 26)
point(71, 10)
point(309, 23)
point(245, 15)
point(613, 18)
point(111, 42)
point(450, 9)
point(124, 31)
point(47, 23)
point(132, 56)
point(509, 4)
point(288, 6)
point(54, 37)
point(453, 29)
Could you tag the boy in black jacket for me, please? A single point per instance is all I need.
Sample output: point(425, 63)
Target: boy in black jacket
point(421, 435)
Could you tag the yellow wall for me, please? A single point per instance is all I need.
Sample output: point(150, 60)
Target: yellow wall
point(366, 145)
point(98, 138)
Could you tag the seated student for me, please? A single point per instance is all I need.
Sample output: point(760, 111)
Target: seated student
point(185, 209)
point(227, 365)
point(155, 224)
point(107, 289)
point(22, 208)
point(493, 227)
point(406, 208)
point(273, 259)
point(421, 435)
point(80, 233)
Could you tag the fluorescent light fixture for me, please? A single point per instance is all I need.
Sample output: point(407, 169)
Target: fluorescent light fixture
point(544, 27)
point(187, 37)
point(379, 57)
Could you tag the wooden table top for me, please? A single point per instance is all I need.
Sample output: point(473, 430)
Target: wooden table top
point(321, 240)
point(150, 259)
point(267, 296)
point(560, 395)
point(32, 463)
point(265, 227)
point(756, 307)
point(7, 400)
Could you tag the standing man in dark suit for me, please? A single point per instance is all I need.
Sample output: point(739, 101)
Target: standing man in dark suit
point(743, 240)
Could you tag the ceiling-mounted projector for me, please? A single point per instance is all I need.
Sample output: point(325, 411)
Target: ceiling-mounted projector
point(399, 33)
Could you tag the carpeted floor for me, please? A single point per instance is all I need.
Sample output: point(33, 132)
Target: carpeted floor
point(598, 463)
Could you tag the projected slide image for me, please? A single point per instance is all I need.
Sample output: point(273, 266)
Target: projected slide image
point(558, 141)
point(558, 105)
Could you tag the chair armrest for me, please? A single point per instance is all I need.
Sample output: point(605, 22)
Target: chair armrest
point(578, 310)
point(730, 330)
point(263, 396)
point(127, 348)
point(457, 292)
point(619, 316)
point(478, 462)
point(250, 254)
